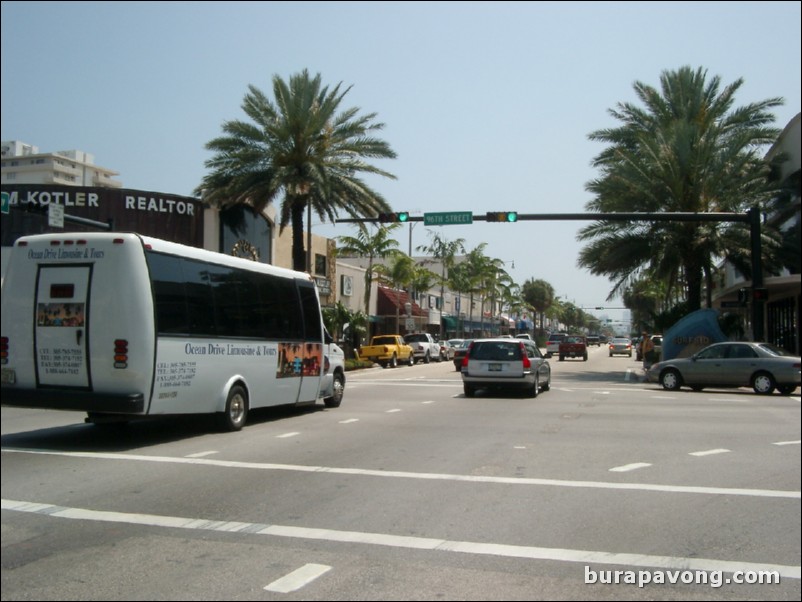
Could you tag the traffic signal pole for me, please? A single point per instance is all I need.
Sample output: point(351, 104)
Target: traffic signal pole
point(752, 217)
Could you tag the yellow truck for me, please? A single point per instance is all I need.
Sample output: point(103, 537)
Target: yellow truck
point(388, 350)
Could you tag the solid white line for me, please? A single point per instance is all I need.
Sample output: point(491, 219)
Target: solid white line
point(403, 541)
point(628, 467)
point(298, 578)
point(797, 442)
point(416, 475)
point(709, 452)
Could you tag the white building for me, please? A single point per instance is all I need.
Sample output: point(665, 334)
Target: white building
point(23, 164)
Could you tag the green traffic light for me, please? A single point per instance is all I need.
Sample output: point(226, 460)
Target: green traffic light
point(403, 216)
point(512, 216)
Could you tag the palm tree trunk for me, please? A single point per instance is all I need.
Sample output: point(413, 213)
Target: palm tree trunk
point(298, 253)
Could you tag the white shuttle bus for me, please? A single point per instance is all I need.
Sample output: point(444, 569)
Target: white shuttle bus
point(123, 326)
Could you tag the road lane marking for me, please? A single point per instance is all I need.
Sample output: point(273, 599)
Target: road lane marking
point(393, 411)
point(709, 452)
point(349, 420)
point(202, 454)
point(285, 435)
point(770, 493)
point(628, 467)
point(797, 442)
point(403, 541)
point(298, 578)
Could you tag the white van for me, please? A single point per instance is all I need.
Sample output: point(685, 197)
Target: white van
point(122, 326)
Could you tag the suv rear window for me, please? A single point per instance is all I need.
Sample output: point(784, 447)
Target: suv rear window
point(498, 351)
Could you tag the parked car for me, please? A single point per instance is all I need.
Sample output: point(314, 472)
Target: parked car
point(761, 366)
point(505, 364)
point(620, 346)
point(553, 344)
point(424, 347)
point(451, 347)
point(459, 353)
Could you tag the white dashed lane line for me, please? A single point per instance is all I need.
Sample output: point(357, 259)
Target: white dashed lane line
point(628, 467)
point(298, 578)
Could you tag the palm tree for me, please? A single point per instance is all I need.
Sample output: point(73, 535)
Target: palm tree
point(687, 151)
point(372, 246)
point(459, 281)
point(446, 251)
point(398, 274)
point(303, 147)
point(540, 295)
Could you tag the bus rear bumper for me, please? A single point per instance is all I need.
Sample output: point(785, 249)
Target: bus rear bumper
point(83, 401)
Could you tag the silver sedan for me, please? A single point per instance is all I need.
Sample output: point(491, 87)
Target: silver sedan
point(761, 366)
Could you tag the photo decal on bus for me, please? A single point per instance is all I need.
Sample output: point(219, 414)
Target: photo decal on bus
point(60, 314)
point(299, 359)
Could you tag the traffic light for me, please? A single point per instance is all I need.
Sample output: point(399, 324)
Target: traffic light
point(502, 216)
point(394, 218)
point(760, 294)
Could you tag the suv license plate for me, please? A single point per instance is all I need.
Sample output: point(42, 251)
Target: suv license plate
point(494, 367)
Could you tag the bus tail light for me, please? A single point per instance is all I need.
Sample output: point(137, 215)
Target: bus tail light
point(120, 353)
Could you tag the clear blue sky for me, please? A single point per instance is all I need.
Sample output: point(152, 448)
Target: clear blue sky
point(488, 105)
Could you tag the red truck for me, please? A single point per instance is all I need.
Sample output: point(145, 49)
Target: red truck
point(574, 345)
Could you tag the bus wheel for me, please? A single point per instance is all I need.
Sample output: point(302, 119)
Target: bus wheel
point(236, 413)
point(338, 388)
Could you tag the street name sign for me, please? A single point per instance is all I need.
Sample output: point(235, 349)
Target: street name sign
point(448, 218)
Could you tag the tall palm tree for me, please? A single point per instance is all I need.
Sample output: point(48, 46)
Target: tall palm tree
point(398, 275)
point(473, 274)
point(688, 150)
point(446, 251)
point(459, 281)
point(371, 246)
point(302, 147)
point(540, 295)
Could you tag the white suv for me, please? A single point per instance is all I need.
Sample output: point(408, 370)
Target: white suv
point(553, 344)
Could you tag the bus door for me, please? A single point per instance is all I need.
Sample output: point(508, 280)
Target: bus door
point(61, 342)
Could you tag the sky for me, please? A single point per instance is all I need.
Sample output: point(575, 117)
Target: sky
point(488, 105)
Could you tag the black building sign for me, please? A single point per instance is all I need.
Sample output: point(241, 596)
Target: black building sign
point(168, 216)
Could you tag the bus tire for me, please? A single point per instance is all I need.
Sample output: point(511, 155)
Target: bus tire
point(338, 388)
point(236, 412)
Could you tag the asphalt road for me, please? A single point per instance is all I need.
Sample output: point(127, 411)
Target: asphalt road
point(410, 491)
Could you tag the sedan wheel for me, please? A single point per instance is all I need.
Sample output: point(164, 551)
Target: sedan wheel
point(671, 380)
point(763, 383)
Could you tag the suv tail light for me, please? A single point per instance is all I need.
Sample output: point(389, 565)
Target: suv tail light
point(527, 362)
